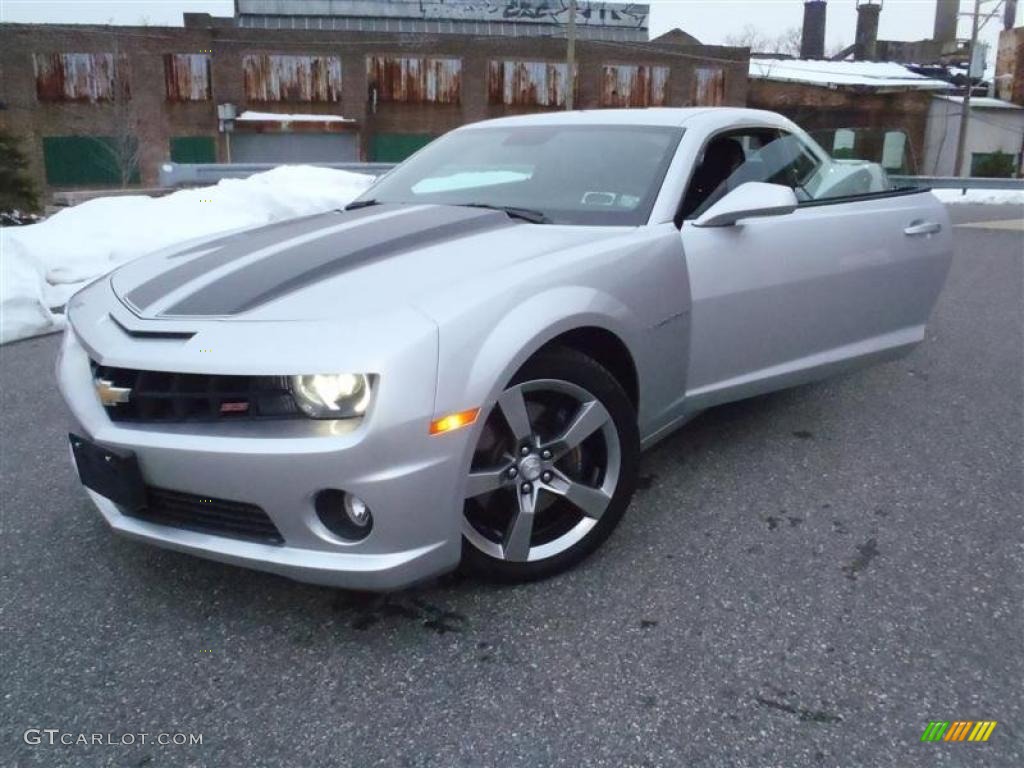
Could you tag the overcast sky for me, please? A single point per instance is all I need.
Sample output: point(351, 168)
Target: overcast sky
point(711, 21)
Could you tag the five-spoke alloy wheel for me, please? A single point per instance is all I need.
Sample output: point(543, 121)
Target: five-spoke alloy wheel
point(553, 471)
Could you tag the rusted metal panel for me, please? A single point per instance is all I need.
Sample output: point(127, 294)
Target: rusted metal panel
point(279, 77)
point(187, 76)
point(639, 85)
point(708, 86)
point(415, 80)
point(80, 76)
point(528, 83)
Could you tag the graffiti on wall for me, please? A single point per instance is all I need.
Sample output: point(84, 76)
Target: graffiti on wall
point(529, 11)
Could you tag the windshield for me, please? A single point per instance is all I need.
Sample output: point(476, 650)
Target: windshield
point(594, 174)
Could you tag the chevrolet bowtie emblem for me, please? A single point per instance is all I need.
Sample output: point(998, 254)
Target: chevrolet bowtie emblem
point(111, 395)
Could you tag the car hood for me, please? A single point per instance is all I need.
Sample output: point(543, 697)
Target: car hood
point(339, 264)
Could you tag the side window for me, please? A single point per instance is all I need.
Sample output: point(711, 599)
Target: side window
point(728, 160)
point(775, 157)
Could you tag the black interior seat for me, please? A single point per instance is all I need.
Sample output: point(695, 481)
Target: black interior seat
point(721, 158)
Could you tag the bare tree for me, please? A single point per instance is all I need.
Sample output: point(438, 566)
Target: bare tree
point(123, 147)
point(751, 37)
point(789, 41)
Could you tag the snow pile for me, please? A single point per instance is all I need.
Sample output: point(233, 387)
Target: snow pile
point(278, 117)
point(42, 265)
point(987, 196)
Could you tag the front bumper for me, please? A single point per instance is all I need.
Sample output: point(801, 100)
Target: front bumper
point(409, 480)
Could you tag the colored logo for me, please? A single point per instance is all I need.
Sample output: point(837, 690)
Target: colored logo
point(958, 730)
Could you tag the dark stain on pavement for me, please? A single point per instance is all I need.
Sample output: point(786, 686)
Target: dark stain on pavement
point(866, 552)
point(805, 715)
point(802, 434)
point(368, 609)
point(644, 482)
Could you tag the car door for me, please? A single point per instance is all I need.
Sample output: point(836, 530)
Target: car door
point(850, 276)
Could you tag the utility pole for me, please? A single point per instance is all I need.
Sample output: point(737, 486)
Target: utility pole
point(570, 56)
point(965, 108)
point(976, 25)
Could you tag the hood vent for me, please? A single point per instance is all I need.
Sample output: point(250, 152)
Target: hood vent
point(138, 333)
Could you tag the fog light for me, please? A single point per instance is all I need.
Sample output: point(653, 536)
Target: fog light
point(343, 514)
point(357, 510)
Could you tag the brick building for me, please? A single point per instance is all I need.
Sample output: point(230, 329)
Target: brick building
point(97, 105)
point(1009, 80)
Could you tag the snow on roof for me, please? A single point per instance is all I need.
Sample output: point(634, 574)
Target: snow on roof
point(864, 74)
point(278, 117)
point(981, 102)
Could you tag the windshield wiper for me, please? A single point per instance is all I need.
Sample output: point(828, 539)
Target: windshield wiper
point(361, 204)
point(526, 214)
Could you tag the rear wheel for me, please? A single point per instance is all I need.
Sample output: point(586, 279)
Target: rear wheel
point(554, 469)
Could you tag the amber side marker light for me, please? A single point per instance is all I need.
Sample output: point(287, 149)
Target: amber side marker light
point(453, 421)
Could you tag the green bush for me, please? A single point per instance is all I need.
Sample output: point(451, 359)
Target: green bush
point(17, 191)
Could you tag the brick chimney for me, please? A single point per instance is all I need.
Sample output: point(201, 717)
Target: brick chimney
point(866, 40)
point(812, 38)
point(945, 20)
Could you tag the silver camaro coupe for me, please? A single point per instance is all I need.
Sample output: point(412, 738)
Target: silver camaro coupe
point(464, 364)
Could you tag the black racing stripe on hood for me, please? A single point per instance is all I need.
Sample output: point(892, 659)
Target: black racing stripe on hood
point(299, 267)
point(236, 246)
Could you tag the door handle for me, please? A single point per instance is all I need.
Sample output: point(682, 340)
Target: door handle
point(922, 228)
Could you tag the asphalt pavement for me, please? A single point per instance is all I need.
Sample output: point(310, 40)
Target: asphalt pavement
point(806, 578)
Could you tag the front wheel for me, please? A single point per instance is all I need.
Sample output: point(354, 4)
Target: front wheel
point(554, 469)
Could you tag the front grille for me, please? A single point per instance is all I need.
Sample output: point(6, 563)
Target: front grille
point(233, 519)
point(163, 396)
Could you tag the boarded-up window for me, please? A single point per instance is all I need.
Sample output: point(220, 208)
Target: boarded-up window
point(625, 85)
point(80, 76)
point(90, 160)
point(527, 83)
point(272, 77)
point(187, 76)
point(415, 80)
point(708, 86)
point(193, 149)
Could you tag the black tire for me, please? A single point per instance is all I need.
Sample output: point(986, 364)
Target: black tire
point(575, 368)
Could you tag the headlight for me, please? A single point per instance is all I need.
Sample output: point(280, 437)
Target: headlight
point(333, 395)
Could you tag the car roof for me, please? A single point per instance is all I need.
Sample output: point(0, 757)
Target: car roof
point(675, 116)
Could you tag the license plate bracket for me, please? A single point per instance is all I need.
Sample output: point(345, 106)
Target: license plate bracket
point(113, 474)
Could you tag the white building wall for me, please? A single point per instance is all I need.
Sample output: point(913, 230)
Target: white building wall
point(991, 129)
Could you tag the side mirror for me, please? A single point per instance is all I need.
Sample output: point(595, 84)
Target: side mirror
point(755, 198)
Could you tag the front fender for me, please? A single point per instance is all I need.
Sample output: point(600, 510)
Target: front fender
point(635, 287)
point(531, 325)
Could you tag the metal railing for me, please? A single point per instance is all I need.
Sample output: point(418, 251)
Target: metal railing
point(203, 174)
point(959, 182)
